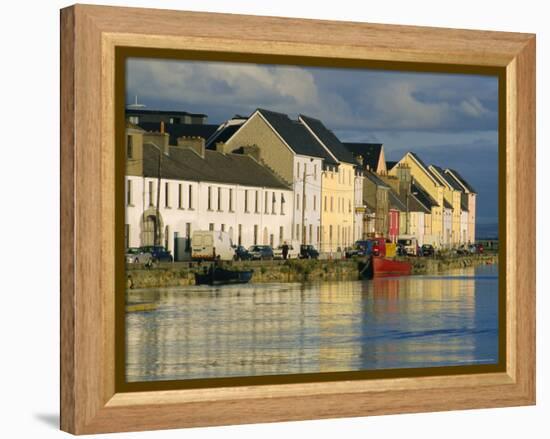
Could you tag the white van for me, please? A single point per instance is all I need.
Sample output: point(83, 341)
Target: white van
point(211, 244)
point(409, 243)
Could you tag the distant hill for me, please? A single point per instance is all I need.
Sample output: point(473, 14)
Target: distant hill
point(487, 231)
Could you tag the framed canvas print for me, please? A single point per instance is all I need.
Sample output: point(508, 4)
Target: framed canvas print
point(269, 219)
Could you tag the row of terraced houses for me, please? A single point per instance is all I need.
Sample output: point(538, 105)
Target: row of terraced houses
point(268, 179)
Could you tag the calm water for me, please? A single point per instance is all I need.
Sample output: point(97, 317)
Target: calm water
point(417, 321)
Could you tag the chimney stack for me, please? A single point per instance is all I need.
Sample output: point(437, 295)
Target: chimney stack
point(160, 139)
point(194, 143)
point(253, 151)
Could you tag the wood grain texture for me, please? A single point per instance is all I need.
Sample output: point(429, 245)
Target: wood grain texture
point(89, 37)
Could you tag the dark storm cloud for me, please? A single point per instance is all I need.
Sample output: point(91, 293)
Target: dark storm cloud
point(451, 120)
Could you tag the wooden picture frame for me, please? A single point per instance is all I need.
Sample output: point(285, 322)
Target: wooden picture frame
point(90, 36)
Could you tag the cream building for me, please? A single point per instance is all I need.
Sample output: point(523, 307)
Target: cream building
point(338, 188)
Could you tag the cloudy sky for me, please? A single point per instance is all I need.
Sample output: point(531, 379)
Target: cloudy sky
point(449, 120)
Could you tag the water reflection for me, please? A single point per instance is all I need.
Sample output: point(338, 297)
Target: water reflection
point(419, 321)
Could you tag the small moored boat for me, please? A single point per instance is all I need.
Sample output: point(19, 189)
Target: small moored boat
point(221, 276)
point(377, 266)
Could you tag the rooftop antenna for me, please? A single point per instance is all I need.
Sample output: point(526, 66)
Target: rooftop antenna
point(136, 105)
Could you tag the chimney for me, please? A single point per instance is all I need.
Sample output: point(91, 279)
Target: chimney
point(160, 139)
point(359, 159)
point(194, 143)
point(220, 147)
point(403, 174)
point(253, 151)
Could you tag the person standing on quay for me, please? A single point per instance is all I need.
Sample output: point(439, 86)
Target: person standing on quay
point(285, 250)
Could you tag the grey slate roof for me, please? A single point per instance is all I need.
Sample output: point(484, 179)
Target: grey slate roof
point(300, 140)
point(390, 165)
point(464, 202)
point(329, 139)
point(221, 135)
point(426, 167)
point(450, 180)
point(370, 152)
point(186, 164)
point(376, 180)
point(459, 177)
point(176, 130)
point(422, 196)
point(396, 202)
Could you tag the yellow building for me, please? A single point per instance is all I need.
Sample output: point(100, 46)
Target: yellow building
point(452, 194)
point(338, 186)
point(420, 173)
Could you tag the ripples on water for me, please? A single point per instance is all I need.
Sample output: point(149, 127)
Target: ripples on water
point(264, 329)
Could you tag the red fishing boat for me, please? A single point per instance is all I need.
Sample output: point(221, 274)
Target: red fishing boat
point(377, 266)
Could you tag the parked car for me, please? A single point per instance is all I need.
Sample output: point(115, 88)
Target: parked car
point(241, 253)
point(211, 245)
point(480, 248)
point(293, 252)
point(427, 250)
point(263, 252)
point(158, 253)
point(135, 255)
point(463, 250)
point(308, 252)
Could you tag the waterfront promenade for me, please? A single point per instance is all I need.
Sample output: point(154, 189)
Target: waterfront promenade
point(324, 270)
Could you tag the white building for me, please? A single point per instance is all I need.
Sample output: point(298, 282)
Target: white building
point(292, 153)
point(200, 190)
point(470, 204)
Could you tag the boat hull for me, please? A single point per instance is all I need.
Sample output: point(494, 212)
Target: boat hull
point(222, 277)
point(377, 266)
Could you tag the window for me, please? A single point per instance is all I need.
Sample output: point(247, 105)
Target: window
point(240, 237)
point(315, 172)
point(223, 227)
point(298, 170)
point(326, 203)
point(349, 205)
point(209, 197)
point(255, 234)
point(330, 233)
point(266, 202)
point(180, 196)
point(281, 235)
point(310, 233)
point(297, 201)
point(282, 204)
point(129, 192)
point(298, 232)
point(130, 148)
point(127, 235)
point(315, 202)
point(151, 200)
point(211, 226)
point(273, 202)
point(230, 200)
point(219, 199)
point(190, 197)
point(332, 204)
point(167, 194)
point(246, 200)
point(317, 233)
point(304, 203)
point(257, 202)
